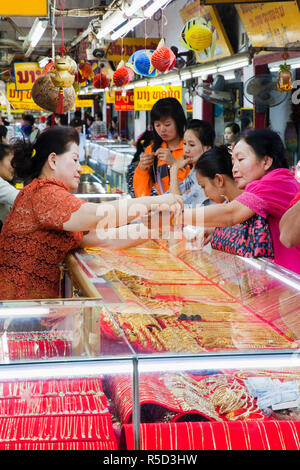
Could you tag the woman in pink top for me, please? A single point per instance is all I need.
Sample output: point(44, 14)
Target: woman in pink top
point(261, 170)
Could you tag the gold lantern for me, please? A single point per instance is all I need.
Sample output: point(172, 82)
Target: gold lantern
point(284, 79)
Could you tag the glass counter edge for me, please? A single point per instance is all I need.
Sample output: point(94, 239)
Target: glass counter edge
point(71, 368)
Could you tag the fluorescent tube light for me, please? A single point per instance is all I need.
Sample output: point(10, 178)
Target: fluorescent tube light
point(233, 65)
point(131, 9)
point(126, 28)
point(156, 5)
point(185, 75)
point(114, 20)
point(204, 71)
point(38, 28)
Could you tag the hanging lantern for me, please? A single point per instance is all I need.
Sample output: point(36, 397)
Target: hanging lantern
point(140, 63)
point(86, 71)
point(199, 35)
point(284, 78)
point(62, 76)
point(47, 96)
point(121, 75)
point(100, 81)
point(163, 59)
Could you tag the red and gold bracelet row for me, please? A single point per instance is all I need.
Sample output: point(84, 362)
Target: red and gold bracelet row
point(45, 406)
point(53, 387)
point(56, 428)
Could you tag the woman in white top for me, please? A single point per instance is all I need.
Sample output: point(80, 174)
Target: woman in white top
point(8, 193)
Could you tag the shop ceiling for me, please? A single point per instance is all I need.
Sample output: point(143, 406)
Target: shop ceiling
point(76, 17)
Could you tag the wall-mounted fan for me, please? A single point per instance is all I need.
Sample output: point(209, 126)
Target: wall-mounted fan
point(217, 92)
point(261, 90)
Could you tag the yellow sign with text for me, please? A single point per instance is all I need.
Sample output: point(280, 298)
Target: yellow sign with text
point(86, 103)
point(21, 8)
point(271, 24)
point(146, 97)
point(21, 99)
point(25, 74)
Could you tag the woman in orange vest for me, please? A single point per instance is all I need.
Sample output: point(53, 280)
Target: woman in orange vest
point(168, 122)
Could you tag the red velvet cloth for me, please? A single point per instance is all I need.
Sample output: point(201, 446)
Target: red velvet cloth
point(235, 435)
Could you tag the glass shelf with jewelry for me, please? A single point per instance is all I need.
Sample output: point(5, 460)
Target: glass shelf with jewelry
point(216, 339)
point(183, 349)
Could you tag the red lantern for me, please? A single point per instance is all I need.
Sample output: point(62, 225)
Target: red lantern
point(86, 71)
point(79, 78)
point(121, 76)
point(100, 81)
point(163, 59)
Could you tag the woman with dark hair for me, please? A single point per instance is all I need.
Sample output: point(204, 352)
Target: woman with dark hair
point(8, 193)
point(46, 221)
point(142, 143)
point(231, 134)
point(198, 138)
point(3, 134)
point(260, 170)
point(168, 121)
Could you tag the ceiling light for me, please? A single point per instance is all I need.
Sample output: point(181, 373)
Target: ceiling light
point(156, 5)
point(204, 71)
point(109, 25)
point(233, 65)
point(131, 9)
point(126, 28)
point(37, 30)
point(185, 75)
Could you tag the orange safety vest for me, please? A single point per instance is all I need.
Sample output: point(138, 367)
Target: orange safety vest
point(142, 179)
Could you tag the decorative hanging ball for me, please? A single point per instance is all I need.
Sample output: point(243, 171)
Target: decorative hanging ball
point(130, 72)
point(79, 78)
point(100, 81)
point(121, 76)
point(163, 59)
point(142, 62)
point(197, 34)
point(199, 37)
point(284, 78)
point(86, 71)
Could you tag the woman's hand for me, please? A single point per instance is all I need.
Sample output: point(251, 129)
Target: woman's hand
point(146, 161)
point(165, 155)
point(207, 235)
point(181, 162)
point(168, 201)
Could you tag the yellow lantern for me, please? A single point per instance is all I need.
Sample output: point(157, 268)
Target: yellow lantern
point(199, 37)
point(284, 79)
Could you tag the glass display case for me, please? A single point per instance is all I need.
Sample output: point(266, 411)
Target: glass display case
point(110, 161)
point(180, 350)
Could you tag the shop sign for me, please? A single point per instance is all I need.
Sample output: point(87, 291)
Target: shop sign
point(85, 103)
point(21, 8)
point(25, 74)
point(110, 97)
point(21, 99)
point(146, 97)
point(271, 24)
point(130, 45)
point(223, 46)
point(124, 101)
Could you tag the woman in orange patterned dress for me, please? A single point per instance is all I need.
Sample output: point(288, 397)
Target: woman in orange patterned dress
point(46, 221)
